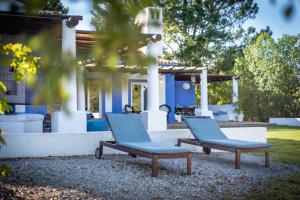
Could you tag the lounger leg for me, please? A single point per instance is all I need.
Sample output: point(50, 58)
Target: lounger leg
point(178, 143)
point(238, 159)
point(101, 150)
point(132, 155)
point(189, 163)
point(154, 165)
point(267, 159)
point(207, 150)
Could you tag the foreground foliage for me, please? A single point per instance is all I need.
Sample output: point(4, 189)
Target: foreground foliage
point(20, 62)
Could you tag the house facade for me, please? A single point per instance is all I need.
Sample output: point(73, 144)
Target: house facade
point(165, 83)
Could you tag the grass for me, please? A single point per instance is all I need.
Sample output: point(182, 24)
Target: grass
point(285, 144)
point(285, 148)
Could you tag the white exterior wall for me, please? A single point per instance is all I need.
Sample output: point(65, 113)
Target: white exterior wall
point(21, 123)
point(108, 96)
point(125, 91)
point(88, 97)
point(70, 144)
point(162, 89)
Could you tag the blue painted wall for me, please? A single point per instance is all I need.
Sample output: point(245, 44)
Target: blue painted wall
point(170, 96)
point(184, 97)
point(37, 109)
point(117, 94)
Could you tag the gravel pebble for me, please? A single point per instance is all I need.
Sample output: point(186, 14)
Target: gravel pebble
point(124, 177)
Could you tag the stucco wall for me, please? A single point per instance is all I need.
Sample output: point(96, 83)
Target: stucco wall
point(69, 144)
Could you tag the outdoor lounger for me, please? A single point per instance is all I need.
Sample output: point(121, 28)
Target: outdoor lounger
point(131, 136)
point(208, 134)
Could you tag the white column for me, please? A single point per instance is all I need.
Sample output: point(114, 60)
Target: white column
point(235, 90)
point(162, 89)
point(80, 90)
point(152, 80)
point(150, 20)
point(69, 48)
point(204, 98)
point(108, 95)
point(88, 98)
point(125, 90)
point(73, 121)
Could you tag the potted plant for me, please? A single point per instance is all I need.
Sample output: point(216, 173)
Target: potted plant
point(239, 113)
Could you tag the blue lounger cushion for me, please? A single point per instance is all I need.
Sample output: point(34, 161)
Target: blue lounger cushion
point(153, 147)
point(204, 128)
point(236, 143)
point(97, 125)
point(129, 131)
point(127, 128)
point(208, 131)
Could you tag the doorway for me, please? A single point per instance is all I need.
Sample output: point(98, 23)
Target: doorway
point(139, 96)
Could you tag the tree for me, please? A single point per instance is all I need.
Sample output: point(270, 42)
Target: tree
point(55, 5)
point(195, 31)
point(220, 93)
point(269, 82)
point(35, 6)
point(118, 37)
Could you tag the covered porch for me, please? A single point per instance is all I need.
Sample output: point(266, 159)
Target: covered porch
point(177, 85)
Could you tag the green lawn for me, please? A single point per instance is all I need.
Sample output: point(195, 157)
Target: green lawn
point(285, 148)
point(285, 144)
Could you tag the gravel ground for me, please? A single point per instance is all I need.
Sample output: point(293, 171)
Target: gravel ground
point(124, 177)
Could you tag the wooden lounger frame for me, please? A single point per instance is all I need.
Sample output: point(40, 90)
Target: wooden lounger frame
point(208, 146)
point(154, 156)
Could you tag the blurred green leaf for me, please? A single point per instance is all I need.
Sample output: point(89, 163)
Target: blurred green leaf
point(4, 170)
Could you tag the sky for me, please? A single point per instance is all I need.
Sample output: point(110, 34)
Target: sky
point(269, 15)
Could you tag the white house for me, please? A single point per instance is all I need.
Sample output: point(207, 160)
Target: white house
point(166, 82)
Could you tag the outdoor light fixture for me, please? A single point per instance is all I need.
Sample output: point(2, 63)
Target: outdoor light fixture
point(186, 86)
point(72, 22)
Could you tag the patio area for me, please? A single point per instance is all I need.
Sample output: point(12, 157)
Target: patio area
point(132, 108)
point(123, 177)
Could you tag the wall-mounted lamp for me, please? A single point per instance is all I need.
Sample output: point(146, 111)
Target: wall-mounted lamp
point(186, 86)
